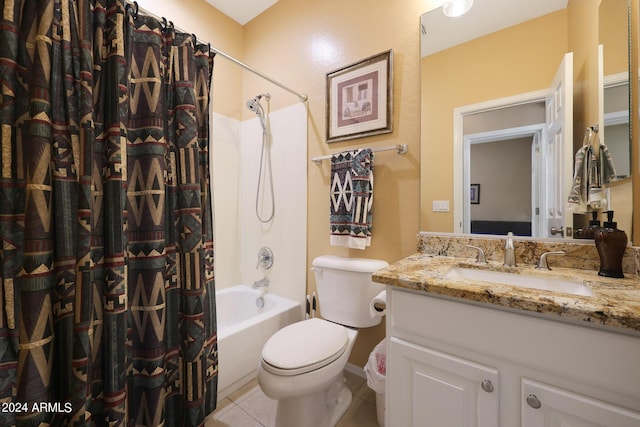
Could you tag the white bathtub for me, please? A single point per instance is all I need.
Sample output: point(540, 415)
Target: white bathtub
point(243, 329)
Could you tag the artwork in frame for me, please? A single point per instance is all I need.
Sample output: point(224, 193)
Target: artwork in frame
point(360, 98)
point(474, 194)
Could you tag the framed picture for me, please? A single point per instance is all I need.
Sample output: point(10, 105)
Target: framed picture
point(474, 195)
point(360, 98)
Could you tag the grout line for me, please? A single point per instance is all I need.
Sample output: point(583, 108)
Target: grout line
point(252, 417)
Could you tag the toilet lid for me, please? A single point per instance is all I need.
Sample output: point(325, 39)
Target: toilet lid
point(305, 346)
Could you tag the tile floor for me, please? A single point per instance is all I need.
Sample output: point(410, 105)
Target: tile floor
point(249, 407)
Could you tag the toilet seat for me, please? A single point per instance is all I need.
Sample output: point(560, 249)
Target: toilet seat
point(304, 347)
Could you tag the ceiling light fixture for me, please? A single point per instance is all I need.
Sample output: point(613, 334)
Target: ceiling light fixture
point(455, 8)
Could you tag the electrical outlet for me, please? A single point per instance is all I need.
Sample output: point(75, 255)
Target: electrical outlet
point(440, 206)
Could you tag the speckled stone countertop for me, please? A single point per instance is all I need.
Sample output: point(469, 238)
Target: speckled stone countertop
point(615, 303)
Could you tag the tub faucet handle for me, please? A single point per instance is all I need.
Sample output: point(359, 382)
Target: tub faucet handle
point(265, 258)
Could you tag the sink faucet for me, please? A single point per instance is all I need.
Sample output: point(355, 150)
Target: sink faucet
point(261, 283)
point(509, 252)
point(543, 263)
point(480, 258)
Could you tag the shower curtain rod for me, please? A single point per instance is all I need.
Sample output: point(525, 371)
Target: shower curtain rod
point(301, 96)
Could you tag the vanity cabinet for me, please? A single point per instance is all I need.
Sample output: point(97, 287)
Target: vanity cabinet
point(444, 389)
point(455, 363)
point(546, 406)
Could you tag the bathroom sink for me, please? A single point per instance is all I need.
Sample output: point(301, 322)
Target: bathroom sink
point(556, 284)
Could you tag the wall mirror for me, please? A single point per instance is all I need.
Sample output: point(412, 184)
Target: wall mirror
point(506, 96)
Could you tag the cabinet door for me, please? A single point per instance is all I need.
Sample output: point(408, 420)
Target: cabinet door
point(430, 388)
point(547, 406)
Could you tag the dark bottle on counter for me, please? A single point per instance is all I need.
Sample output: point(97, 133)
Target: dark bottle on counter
point(590, 231)
point(611, 244)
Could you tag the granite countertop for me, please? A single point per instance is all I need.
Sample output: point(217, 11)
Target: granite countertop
point(615, 303)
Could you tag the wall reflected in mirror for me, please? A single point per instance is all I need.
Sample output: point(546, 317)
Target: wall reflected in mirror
point(461, 70)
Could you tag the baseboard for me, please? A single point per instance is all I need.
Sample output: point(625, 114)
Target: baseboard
point(356, 370)
point(232, 388)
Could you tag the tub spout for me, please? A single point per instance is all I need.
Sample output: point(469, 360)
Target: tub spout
point(261, 283)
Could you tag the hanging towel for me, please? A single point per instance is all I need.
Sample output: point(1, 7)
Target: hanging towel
point(585, 188)
point(607, 168)
point(579, 193)
point(351, 198)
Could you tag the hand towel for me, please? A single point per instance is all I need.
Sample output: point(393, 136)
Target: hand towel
point(351, 198)
point(579, 193)
point(607, 168)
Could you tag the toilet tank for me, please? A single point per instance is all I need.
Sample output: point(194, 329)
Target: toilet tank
point(345, 289)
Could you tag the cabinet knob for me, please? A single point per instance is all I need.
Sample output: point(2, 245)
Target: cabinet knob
point(533, 401)
point(487, 386)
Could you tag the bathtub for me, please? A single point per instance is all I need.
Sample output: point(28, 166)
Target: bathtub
point(243, 329)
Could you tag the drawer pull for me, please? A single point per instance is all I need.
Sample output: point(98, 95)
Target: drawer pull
point(533, 401)
point(487, 386)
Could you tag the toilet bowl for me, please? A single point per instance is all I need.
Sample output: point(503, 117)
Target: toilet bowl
point(307, 379)
point(302, 365)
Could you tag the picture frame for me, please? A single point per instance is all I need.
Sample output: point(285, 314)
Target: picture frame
point(474, 194)
point(360, 98)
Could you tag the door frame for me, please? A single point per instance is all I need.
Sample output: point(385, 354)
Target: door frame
point(537, 134)
point(458, 144)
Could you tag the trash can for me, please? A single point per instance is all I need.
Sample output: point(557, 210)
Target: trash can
point(376, 370)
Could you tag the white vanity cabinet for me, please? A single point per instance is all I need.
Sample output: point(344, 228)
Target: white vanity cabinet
point(452, 363)
point(441, 388)
point(547, 406)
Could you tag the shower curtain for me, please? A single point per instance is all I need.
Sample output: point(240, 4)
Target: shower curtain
point(106, 257)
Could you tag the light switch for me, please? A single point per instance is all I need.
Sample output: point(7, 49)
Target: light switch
point(440, 206)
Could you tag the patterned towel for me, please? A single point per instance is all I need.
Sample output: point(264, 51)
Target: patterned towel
point(351, 198)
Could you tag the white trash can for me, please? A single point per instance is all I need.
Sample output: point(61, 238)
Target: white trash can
point(376, 370)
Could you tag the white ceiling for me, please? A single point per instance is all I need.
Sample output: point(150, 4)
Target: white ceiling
point(485, 17)
point(242, 11)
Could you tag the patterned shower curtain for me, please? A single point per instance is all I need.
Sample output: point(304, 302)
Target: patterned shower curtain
point(106, 258)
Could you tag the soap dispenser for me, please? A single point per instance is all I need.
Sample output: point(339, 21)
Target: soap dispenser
point(590, 231)
point(611, 244)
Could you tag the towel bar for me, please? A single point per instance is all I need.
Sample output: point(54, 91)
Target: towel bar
point(400, 149)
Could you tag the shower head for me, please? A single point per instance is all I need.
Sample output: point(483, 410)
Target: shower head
point(254, 103)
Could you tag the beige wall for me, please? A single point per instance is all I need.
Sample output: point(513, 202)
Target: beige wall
point(513, 177)
point(614, 37)
point(298, 42)
point(583, 42)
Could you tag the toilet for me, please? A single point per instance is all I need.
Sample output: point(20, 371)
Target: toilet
point(302, 364)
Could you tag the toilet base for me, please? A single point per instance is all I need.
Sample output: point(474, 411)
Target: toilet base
point(321, 409)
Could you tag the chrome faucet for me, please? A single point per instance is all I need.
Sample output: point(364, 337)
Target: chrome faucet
point(543, 264)
point(509, 252)
point(261, 283)
point(480, 258)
